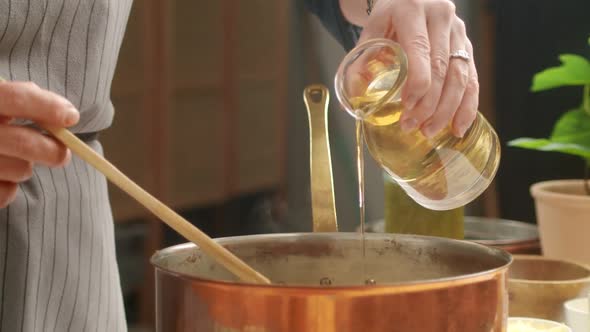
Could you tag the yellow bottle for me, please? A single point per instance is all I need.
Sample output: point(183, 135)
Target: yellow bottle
point(440, 173)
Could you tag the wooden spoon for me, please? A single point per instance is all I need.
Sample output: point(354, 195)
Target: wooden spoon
point(167, 215)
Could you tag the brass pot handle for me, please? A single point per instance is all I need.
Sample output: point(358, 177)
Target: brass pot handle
point(316, 99)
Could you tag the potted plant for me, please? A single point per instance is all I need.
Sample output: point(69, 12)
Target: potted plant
point(563, 206)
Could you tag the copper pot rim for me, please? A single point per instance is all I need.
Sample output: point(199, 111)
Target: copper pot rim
point(507, 243)
point(550, 282)
point(530, 240)
point(354, 290)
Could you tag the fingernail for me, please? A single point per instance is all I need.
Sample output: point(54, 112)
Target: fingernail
point(410, 102)
point(72, 115)
point(409, 124)
point(429, 131)
point(65, 102)
point(67, 158)
point(462, 129)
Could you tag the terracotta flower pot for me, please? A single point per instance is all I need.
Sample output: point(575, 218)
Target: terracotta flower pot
point(563, 217)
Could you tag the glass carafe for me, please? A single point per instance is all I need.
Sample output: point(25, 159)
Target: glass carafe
point(443, 172)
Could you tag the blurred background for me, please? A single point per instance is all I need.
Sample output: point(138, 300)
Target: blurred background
point(210, 118)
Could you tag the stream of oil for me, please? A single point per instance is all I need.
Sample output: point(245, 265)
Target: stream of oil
point(360, 167)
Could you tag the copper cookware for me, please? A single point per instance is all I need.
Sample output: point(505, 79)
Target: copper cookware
point(414, 283)
point(513, 236)
point(421, 284)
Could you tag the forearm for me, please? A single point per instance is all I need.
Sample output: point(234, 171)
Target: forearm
point(333, 19)
point(355, 11)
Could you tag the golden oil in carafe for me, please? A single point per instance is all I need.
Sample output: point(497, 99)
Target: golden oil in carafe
point(440, 173)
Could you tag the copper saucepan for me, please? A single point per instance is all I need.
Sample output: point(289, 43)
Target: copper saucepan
point(415, 283)
point(421, 284)
point(513, 236)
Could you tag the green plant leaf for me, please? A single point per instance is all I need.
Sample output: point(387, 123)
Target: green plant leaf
point(571, 135)
point(543, 144)
point(574, 70)
point(529, 143)
point(572, 127)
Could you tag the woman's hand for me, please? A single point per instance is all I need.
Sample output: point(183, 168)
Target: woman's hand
point(440, 89)
point(21, 148)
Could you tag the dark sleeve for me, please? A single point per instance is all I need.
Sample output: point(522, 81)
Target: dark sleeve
point(328, 11)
